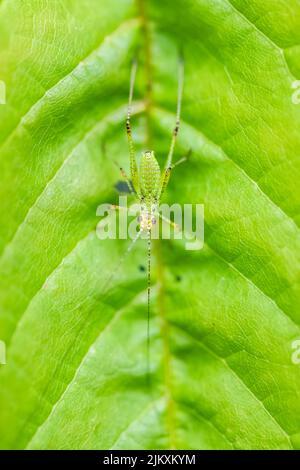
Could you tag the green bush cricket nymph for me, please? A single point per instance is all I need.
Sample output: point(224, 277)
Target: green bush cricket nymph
point(148, 183)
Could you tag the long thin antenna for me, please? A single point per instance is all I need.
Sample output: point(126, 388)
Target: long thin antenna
point(178, 112)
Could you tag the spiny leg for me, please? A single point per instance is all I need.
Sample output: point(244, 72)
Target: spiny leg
point(122, 171)
point(133, 164)
point(127, 180)
point(167, 172)
point(168, 168)
point(165, 180)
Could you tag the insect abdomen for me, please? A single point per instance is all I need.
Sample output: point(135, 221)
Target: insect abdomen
point(149, 176)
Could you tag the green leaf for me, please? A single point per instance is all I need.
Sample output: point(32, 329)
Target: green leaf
point(223, 319)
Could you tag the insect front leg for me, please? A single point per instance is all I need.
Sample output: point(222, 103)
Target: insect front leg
point(167, 172)
point(127, 180)
point(177, 123)
point(168, 168)
point(165, 180)
point(133, 164)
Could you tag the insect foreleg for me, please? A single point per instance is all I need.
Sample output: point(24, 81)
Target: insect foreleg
point(127, 180)
point(167, 172)
point(133, 164)
point(165, 180)
point(177, 123)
